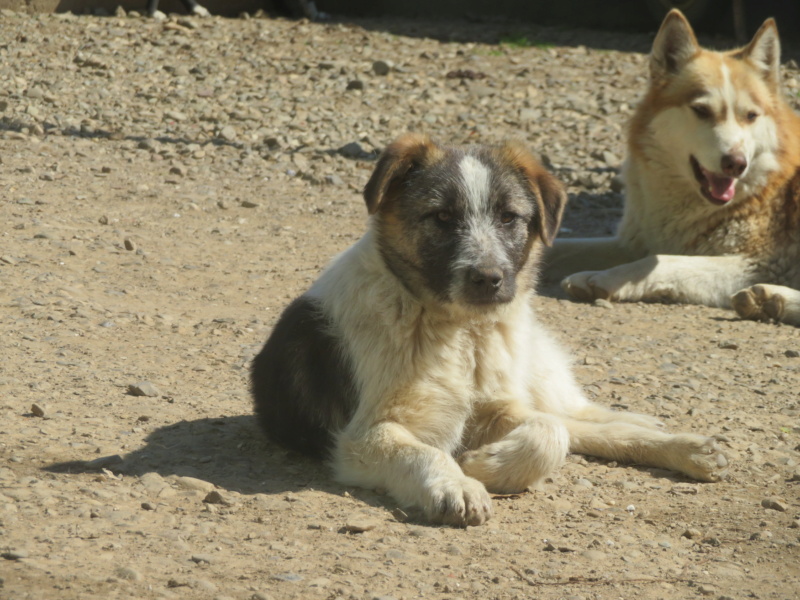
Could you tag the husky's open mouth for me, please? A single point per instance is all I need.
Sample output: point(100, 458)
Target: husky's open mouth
point(715, 188)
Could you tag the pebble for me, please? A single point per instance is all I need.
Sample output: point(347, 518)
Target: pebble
point(228, 133)
point(143, 388)
point(775, 504)
point(381, 67)
point(217, 497)
point(130, 245)
point(14, 554)
point(202, 558)
point(594, 555)
point(360, 523)
point(603, 303)
point(37, 410)
point(692, 534)
point(129, 574)
point(290, 577)
point(192, 483)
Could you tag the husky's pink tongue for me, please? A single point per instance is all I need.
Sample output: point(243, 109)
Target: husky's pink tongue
point(721, 188)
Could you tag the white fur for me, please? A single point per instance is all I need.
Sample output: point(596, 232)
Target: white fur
point(666, 218)
point(433, 379)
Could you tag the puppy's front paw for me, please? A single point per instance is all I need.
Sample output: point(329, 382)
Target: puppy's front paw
point(200, 11)
point(585, 286)
point(700, 457)
point(459, 502)
point(759, 303)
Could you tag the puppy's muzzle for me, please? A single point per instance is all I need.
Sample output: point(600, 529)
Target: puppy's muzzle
point(486, 279)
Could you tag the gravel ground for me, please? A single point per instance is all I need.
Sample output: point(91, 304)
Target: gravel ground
point(167, 188)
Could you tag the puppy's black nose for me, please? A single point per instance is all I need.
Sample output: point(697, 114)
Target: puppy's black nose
point(486, 277)
point(733, 164)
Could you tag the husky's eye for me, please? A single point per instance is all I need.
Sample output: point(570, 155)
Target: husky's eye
point(751, 116)
point(702, 111)
point(507, 218)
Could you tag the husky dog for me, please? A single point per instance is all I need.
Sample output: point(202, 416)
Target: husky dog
point(415, 362)
point(712, 207)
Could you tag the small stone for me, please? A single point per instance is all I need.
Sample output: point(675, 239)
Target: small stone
point(729, 345)
point(792, 354)
point(774, 504)
point(37, 410)
point(381, 67)
point(148, 506)
point(249, 204)
point(192, 483)
point(359, 523)
point(706, 590)
point(129, 574)
point(291, 577)
point(692, 534)
point(454, 550)
point(14, 554)
point(129, 245)
point(355, 84)
point(795, 524)
point(603, 303)
point(216, 497)
point(202, 558)
point(352, 150)
point(594, 555)
point(228, 133)
point(143, 388)
point(329, 179)
point(8, 259)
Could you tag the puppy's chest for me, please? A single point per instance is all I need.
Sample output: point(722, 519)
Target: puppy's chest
point(473, 368)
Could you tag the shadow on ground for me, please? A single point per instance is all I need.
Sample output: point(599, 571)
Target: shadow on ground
point(229, 452)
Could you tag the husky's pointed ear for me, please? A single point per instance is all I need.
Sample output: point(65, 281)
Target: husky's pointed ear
point(674, 46)
point(764, 51)
point(398, 160)
point(548, 192)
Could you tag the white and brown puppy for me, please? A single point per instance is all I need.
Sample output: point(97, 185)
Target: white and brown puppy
point(415, 362)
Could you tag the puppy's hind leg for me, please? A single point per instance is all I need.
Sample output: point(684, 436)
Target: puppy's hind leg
point(514, 447)
point(697, 456)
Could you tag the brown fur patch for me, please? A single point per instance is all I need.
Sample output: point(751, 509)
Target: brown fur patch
point(549, 192)
point(402, 155)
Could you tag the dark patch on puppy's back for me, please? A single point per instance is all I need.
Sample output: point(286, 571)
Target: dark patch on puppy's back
point(302, 383)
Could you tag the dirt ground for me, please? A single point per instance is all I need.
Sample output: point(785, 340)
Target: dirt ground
point(168, 188)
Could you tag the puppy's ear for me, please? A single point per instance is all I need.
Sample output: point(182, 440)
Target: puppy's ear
point(551, 198)
point(764, 51)
point(674, 46)
point(408, 152)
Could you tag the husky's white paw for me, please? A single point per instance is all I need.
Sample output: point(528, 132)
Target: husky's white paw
point(760, 303)
point(158, 15)
point(586, 286)
point(700, 457)
point(459, 502)
point(200, 11)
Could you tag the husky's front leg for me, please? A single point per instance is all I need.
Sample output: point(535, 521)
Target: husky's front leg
point(570, 255)
point(706, 280)
point(389, 456)
point(766, 302)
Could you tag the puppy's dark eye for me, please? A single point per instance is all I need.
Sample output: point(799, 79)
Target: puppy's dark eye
point(507, 218)
point(702, 111)
point(751, 116)
point(444, 216)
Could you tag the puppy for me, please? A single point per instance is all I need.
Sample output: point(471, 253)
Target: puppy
point(415, 362)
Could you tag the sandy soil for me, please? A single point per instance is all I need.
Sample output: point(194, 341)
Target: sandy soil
point(168, 188)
